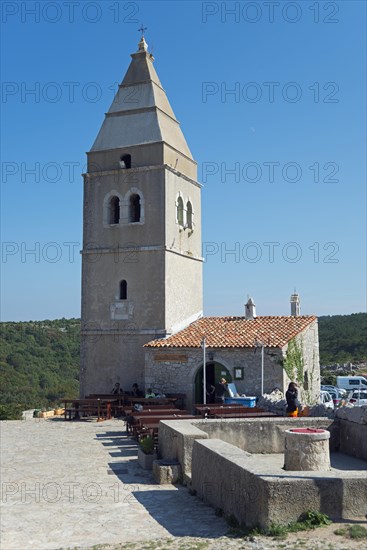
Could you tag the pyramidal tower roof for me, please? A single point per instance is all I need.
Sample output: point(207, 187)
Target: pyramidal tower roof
point(140, 112)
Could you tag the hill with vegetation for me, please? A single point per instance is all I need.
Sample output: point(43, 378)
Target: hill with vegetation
point(39, 364)
point(343, 338)
point(39, 360)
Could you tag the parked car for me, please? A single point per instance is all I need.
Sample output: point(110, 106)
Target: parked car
point(326, 399)
point(342, 391)
point(358, 398)
point(339, 396)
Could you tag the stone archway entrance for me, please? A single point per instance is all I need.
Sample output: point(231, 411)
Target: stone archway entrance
point(214, 371)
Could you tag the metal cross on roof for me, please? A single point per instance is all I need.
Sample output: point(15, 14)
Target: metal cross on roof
point(142, 29)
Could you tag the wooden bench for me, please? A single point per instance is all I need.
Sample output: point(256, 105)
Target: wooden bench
point(133, 420)
point(131, 411)
point(143, 421)
point(150, 425)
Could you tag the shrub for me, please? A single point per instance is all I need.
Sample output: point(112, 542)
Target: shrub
point(10, 411)
point(147, 445)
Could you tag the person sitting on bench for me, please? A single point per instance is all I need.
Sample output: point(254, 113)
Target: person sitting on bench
point(116, 390)
point(136, 391)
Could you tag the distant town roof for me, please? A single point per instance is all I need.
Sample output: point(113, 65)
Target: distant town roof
point(236, 332)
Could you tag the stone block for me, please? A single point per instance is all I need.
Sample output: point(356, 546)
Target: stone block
point(146, 460)
point(353, 414)
point(166, 472)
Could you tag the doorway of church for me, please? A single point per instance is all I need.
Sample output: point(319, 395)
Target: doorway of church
point(214, 371)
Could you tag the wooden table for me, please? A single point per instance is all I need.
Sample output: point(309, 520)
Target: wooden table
point(119, 400)
point(120, 397)
point(88, 405)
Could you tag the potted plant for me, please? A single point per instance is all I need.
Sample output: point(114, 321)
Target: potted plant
point(146, 453)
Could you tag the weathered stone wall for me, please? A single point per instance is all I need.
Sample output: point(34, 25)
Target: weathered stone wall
point(353, 431)
point(260, 435)
point(176, 439)
point(233, 481)
point(308, 341)
point(179, 376)
point(111, 358)
point(257, 435)
point(275, 402)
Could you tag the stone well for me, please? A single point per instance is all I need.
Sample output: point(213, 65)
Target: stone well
point(307, 449)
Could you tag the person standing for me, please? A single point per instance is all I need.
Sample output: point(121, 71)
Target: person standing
point(210, 392)
point(220, 390)
point(292, 399)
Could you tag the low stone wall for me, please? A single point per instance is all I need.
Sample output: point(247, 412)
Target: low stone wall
point(256, 435)
point(275, 402)
point(257, 494)
point(264, 435)
point(353, 431)
point(176, 439)
point(234, 493)
point(353, 439)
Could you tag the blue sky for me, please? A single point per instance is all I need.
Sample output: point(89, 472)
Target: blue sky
point(271, 99)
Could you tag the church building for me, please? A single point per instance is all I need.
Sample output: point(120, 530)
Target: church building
point(142, 312)
point(258, 354)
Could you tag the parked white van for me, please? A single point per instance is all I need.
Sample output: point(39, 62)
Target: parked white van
point(351, 382)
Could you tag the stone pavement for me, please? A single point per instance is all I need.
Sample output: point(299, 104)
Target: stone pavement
point(78, 485)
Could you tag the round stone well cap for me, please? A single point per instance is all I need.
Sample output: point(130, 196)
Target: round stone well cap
point(316, 434)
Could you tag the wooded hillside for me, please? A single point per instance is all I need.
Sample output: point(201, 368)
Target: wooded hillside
point(39, 363)
point(343, 338)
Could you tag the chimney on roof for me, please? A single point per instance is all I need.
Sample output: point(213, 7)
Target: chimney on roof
point(295, 305)
point(250, 309)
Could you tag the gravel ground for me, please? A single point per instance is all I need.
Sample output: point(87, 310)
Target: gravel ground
point(322, 538)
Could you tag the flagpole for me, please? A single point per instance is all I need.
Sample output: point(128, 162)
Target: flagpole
point(260, 344)
point(204, 371)
point(262, 369)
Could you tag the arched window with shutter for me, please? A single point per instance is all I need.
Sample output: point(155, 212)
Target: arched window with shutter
point(114, 210)
point(180, 211)
point(134, 208)
point(189, 215)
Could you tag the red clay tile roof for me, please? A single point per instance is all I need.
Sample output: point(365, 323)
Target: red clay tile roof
point(236, 332)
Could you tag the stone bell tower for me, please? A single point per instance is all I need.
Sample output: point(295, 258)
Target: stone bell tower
point(141, 257)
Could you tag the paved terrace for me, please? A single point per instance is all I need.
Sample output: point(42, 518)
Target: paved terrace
point(78, 484)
